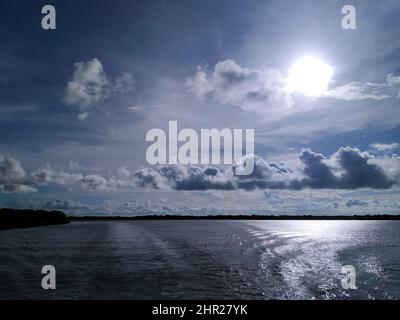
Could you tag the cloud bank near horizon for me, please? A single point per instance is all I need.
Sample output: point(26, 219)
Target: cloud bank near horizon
point(346, 169)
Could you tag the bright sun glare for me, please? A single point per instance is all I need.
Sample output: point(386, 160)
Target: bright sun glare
point(309, 76)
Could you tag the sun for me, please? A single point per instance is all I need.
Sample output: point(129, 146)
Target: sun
point(309, 76)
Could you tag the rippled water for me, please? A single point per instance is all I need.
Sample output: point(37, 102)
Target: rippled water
point(203, 260)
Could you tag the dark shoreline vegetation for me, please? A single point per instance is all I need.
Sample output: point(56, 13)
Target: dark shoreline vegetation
point(15, 218)
point(237, 217)
point(12, 218)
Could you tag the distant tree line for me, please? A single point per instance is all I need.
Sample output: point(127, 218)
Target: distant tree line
point(16, 218)
point(12, 218)
point(240, 217)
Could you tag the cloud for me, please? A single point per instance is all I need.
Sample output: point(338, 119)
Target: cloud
point(124, 83)
point(347, 169)
point(267, 175)
point(199, 84)
point(355, 202)
point(90, 86)
point(150, 178)
point(181, 177)
point(93, 182)
point(393, 81)
point(357, 170)
point(83, 115)
point(136, 108)
point(13, 178)
point(358, 91)
point(336, 205)
point(383, 147)
point(390, 163)
point(50, 204)
point(260, 90)
point(361, 91)
point(265, 90)
point(318, 173)
point(133, 207)
point(123, 172)
point(386, 204)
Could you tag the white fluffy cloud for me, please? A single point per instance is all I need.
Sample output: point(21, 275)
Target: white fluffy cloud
point(90, 86)
point(13, 177)
point(260, 90)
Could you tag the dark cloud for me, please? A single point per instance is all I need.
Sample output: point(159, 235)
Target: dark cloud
point(359, 171)
point(348, 168)
point(149, 178)
point(180, 177)
point(318, 174)
point(267, 175)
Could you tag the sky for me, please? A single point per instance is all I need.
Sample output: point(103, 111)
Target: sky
point(76, 104)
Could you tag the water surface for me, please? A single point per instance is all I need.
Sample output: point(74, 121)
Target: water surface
point(199, 259)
